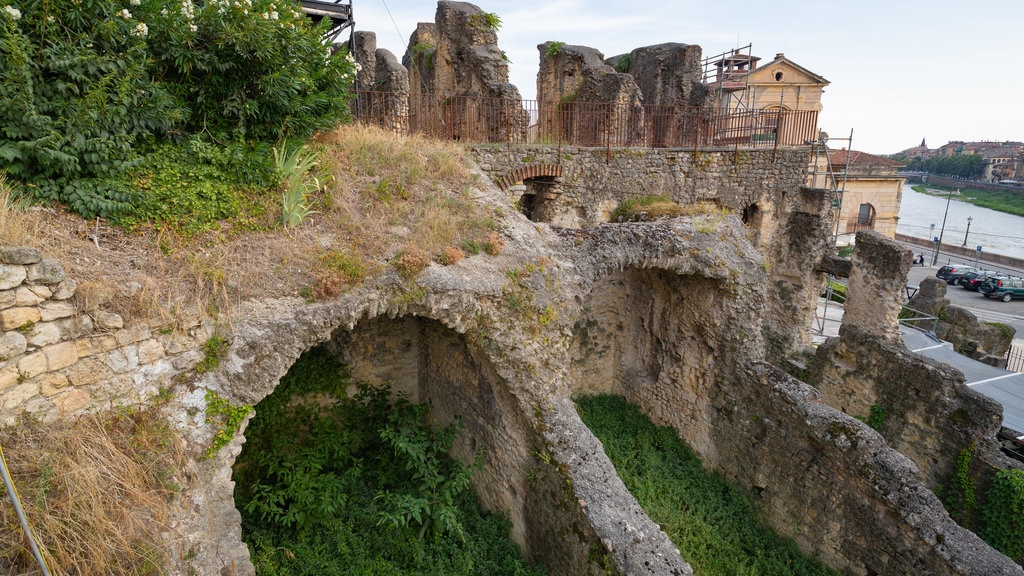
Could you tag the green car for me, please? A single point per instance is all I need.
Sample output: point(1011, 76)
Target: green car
point(1005, 289)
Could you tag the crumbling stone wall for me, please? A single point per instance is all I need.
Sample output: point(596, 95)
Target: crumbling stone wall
point(792, 224)
point(671, 79)
point(57, 360)
point(875, 288)
point(454, 63)
point(959, 326)
point(583, 99)
point(382, 85)
point(930, 415)
point(675, 343)
point(801, 243)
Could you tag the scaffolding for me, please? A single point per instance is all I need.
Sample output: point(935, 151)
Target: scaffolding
point(822, 174)
point(833, 181)
point(339, 12)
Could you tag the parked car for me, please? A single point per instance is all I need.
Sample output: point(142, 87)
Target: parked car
point(971, 280)
point(953, 273)
point(1004, 289)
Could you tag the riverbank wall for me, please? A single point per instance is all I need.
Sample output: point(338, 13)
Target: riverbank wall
point(965, 254)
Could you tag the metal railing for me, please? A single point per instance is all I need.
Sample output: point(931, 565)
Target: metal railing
point(1015, 359)
point(478, 120)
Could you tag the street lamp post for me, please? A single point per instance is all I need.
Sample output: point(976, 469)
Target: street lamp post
point(964, 245)
point(942, 231)
point(932, 237)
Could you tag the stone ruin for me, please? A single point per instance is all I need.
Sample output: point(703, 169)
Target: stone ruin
point(648, 89)
point(452, 81)
point(690, 318)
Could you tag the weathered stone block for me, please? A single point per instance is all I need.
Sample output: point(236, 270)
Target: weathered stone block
point(107, 320)
point(41, 291)
point(60, 355)
point(104, 343)
point(19, 255)
point(12, 344)
point(150, 351)
point(7, 298)
point(123, 359)
point(14, 318)
point(76, 327)
point(9, 376)
point(72, 401)
point(52, 383)
point(51, 310)
point(17, 397)
point(46, 271)
point(11, 276)
point(176, 342)
point(44, 334)
point(84, 346)
point(65, 289)
point(132, 335)
point(86, 371)
point(23, 296)
point(32, 365)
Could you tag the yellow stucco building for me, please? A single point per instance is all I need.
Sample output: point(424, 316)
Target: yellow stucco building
point(871, 193)
point(779, 100)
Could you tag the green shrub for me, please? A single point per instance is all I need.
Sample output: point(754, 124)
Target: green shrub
point(192, 186)
point(554, 48)
point(329, 483)
point(960, 499)
point(622, 64)
point(712, 522)
point(85, 81)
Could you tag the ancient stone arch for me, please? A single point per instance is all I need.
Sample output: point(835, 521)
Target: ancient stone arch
point(528, 171)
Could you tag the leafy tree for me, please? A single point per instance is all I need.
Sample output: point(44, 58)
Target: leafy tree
point(84, 82)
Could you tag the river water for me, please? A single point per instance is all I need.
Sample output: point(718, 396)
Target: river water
point(995, 232)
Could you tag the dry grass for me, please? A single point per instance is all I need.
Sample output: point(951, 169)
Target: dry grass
point(13, 222)
point(649, 208)
point(384, 193)
point(96, 492)
point(386, 188)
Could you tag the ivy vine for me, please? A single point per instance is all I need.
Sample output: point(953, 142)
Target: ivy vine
point(1003, 514)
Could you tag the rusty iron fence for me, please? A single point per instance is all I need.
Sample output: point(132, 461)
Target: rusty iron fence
point(476, 120)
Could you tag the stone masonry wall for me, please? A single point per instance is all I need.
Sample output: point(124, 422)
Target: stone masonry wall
point(676, 345)
point(930, 415)
point(56, 360)
point(792, 226)
point(596, 181)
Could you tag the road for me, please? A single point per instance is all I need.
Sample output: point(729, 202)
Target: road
point(986, 309)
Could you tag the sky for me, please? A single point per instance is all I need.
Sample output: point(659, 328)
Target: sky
point(899, 70)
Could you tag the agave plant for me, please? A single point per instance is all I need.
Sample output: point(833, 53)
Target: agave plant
point(295, 165)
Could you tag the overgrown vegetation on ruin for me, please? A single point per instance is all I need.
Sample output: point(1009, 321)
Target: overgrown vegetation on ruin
point(999, 519)
point(333, 484)
point(712, 522)
point(96, 491)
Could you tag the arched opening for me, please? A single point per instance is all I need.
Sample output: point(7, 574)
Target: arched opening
point(752, 216)
point(865, 217)
point(538, 201)
point(431, 364)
